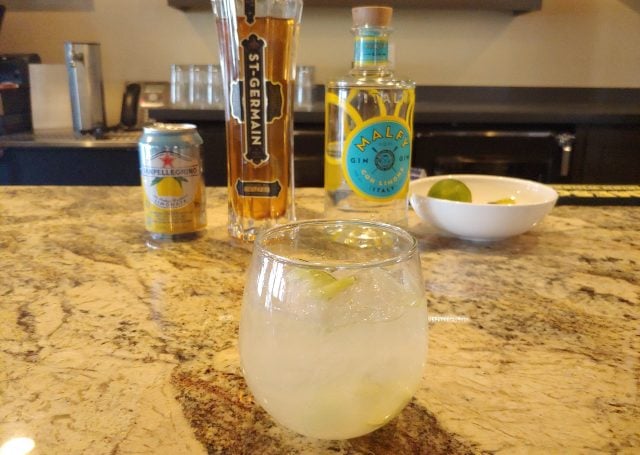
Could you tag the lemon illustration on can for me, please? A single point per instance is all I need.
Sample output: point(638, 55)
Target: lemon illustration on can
point(168, 186)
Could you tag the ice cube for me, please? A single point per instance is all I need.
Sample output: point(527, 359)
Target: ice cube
point(375, 295)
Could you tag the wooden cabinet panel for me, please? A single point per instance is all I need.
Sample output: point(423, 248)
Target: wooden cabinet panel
point(69, 166)
point(308, 154)
point(611, 154)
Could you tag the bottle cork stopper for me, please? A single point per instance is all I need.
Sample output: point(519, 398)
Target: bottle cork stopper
point(371, 16)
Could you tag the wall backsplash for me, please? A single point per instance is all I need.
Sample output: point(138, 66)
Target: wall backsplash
point(587, 43)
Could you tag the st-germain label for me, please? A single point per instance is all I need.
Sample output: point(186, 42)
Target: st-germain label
point(255, 101)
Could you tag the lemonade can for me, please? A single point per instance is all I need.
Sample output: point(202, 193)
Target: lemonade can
point(171, 173)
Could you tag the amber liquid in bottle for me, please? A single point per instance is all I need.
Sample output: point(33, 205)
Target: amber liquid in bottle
point(259, 124)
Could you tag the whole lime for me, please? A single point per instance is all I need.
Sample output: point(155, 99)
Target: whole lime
point(450, 189)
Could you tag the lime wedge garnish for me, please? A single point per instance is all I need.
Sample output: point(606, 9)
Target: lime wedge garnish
point(323, 284)
point(450, 189)
point(328, 291)
point(317, 278)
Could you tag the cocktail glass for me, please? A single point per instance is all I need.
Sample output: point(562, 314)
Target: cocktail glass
point(333, 334)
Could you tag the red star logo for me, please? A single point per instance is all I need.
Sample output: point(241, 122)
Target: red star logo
point(167, 160)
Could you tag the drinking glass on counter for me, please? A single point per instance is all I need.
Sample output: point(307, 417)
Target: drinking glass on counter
point(333, 332)
point(179, 85)
point(196, 86)
point(205, 86)
point(304, 87)
point(215, 97)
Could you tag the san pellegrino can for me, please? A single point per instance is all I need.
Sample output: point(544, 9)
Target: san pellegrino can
point(171, 172)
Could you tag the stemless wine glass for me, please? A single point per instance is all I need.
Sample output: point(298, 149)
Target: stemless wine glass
point(333, 333)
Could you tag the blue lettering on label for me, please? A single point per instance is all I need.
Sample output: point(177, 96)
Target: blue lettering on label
point(377, 158)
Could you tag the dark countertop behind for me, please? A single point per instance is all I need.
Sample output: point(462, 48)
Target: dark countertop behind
point(434, 105)
point(65, 138)
point(509, 105)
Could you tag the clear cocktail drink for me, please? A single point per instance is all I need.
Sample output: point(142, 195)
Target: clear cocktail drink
point(334, 324)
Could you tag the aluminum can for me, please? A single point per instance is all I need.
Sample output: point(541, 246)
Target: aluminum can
point(171, 173)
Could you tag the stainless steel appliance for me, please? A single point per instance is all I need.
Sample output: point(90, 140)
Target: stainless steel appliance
point(538, 153)
point(85, 86)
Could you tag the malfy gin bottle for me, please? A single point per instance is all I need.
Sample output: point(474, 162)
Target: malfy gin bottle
point(257, 41)
point(368, 129)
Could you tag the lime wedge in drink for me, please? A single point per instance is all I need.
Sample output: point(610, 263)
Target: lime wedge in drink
point(323, 284)
point(450, 189)
point(330, 290)
point(316, 278)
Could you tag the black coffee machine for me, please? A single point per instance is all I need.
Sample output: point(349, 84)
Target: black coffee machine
point(15, 101)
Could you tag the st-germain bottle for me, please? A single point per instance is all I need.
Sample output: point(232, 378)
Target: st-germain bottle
point(368, 129)
point(257, 41)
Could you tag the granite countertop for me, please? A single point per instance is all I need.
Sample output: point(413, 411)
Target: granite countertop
point(107, 347)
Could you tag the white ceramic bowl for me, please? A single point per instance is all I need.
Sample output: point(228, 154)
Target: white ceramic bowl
point(479, 220)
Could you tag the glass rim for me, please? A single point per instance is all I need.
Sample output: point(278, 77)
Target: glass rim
point(394, 258)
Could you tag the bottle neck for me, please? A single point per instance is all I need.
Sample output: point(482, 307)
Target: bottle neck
point(371, 48)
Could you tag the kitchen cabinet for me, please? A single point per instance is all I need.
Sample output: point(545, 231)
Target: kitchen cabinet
point(497, 130)
point(553, 135)
point(69, 166)
point(515, 6)
point(526, 151)
point(597, 154)
point(608, 154)
point(33, 164)
point(605, 154)
point(308, 157)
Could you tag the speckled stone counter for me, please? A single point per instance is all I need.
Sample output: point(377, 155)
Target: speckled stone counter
point(107, 347)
